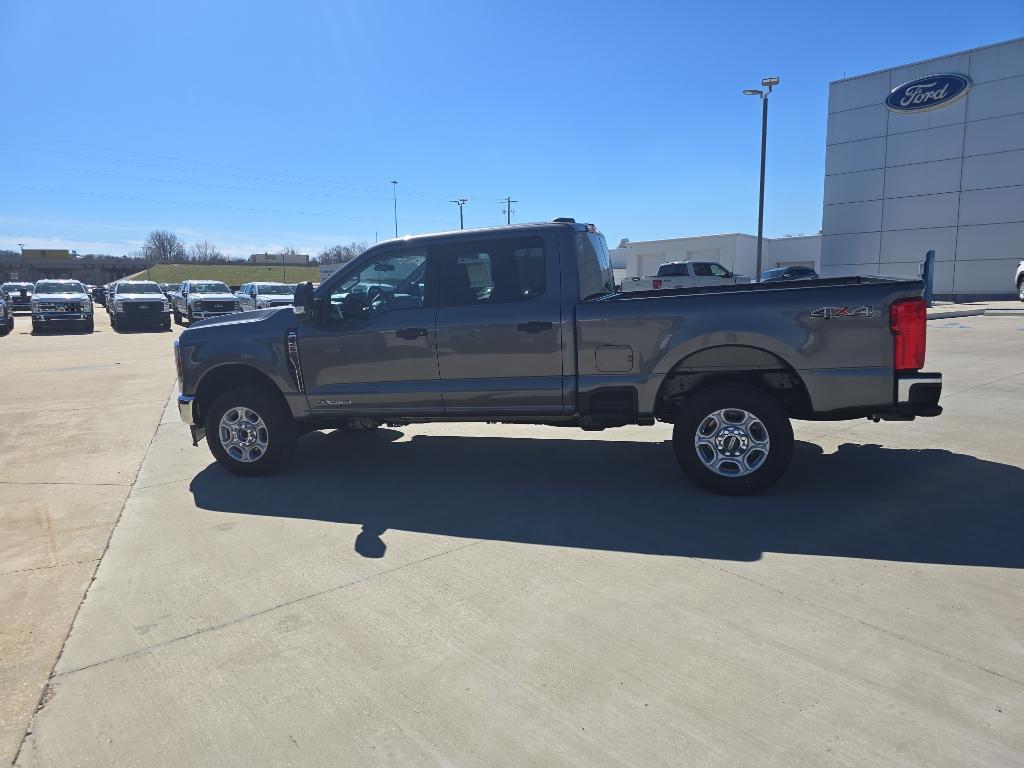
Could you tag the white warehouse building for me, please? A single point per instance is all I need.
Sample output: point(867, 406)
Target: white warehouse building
point(929, 156)
point(736, 252)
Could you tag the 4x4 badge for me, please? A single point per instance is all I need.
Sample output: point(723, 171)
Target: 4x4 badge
point(830, 312)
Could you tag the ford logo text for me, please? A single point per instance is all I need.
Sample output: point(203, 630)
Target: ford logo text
point(928, 93)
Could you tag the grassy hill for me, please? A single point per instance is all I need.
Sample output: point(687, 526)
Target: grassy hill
point(232, 274)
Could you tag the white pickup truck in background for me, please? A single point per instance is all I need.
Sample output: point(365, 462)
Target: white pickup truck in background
point(684, 274)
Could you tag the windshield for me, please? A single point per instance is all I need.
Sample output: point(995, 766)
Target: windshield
point(773, 273)
point(276, 290)
point(17, 286)
point(209, 288)
point(69, 287)
point(138, 288)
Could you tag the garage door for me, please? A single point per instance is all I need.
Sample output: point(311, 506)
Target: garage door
point(649, 263)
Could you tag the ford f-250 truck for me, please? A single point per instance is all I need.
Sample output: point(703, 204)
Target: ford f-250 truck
point(200, 299)
point(521, 324)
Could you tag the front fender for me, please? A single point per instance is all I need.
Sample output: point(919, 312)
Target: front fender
point(256, 341)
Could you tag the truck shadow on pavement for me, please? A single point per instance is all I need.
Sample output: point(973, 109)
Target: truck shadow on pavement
point(863, 501)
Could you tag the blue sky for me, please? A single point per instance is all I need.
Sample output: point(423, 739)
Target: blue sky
point(261, 125)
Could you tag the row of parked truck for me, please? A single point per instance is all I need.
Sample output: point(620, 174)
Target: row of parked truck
point(132, 303)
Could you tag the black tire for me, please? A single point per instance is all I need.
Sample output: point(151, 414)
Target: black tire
point(177, 316)
point(190, 318)
point(1020, 289)
point(280, 427)
point(716, 408)
point(90, 325)
point(36, 327)
point(166, 324)
point(113, 322)
point(7, 328)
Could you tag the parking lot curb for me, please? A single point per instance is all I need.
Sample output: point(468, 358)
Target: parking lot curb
point(1006, 312)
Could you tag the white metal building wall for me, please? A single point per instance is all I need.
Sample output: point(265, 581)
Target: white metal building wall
point(950, 179)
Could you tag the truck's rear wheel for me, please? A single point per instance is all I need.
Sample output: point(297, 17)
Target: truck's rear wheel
point(733, 439)
point(250, 431)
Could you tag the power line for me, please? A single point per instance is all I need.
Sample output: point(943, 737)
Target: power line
point(299, 179)
point(376, 190)
point(206, 184)
point(200, 205)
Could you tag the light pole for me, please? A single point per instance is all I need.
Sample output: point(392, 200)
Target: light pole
point(394, 192)
point(460, 202)
point(768, 83)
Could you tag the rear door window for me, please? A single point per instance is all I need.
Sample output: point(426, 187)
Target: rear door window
point(493, 271)
point(673, 270)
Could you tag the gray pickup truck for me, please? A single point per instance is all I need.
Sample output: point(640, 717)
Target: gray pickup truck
point(521, 324)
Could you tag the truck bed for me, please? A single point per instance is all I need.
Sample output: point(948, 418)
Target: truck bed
point(833, 335)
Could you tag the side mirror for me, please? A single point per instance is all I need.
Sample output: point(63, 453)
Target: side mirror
point(302, 304)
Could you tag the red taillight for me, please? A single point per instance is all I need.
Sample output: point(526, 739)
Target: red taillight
point(656, 284)
point(908, 319)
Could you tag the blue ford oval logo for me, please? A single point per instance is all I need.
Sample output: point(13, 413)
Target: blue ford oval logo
point(927, 93)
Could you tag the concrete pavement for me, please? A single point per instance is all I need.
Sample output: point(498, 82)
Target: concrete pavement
point(496, 595)
point(79, 411)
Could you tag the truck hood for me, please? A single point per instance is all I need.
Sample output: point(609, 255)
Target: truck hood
point(212, 297)
point(239, 322)
point(61, 296)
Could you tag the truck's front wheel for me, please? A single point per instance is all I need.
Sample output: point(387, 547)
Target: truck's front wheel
point(250, 431)
point(733, 439)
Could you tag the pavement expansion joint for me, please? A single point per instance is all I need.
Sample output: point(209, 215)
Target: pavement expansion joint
point(47, 691)
point(49, 567)
point(865, 623)
point(270, 609)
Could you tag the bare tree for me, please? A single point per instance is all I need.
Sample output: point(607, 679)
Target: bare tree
point(339, 254)
point(162, 245)
point(205, 251)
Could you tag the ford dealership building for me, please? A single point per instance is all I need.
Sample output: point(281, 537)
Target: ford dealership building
point(929, 156)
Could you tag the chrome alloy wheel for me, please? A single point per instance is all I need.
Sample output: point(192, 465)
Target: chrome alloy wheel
point(732, 442)
point(243, 434)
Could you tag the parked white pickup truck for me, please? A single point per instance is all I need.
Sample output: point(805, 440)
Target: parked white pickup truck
point(684, 274)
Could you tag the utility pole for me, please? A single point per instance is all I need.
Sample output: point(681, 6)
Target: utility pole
point(394, 192)
point(507, 202)
point(460, 202)
point(768, 83)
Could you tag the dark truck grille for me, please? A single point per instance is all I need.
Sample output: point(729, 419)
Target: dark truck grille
point(60, 306)
point(217, 306)
point(143, 307)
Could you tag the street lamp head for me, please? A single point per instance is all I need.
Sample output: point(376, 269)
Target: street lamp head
point(768, 82)
point(753, 92)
